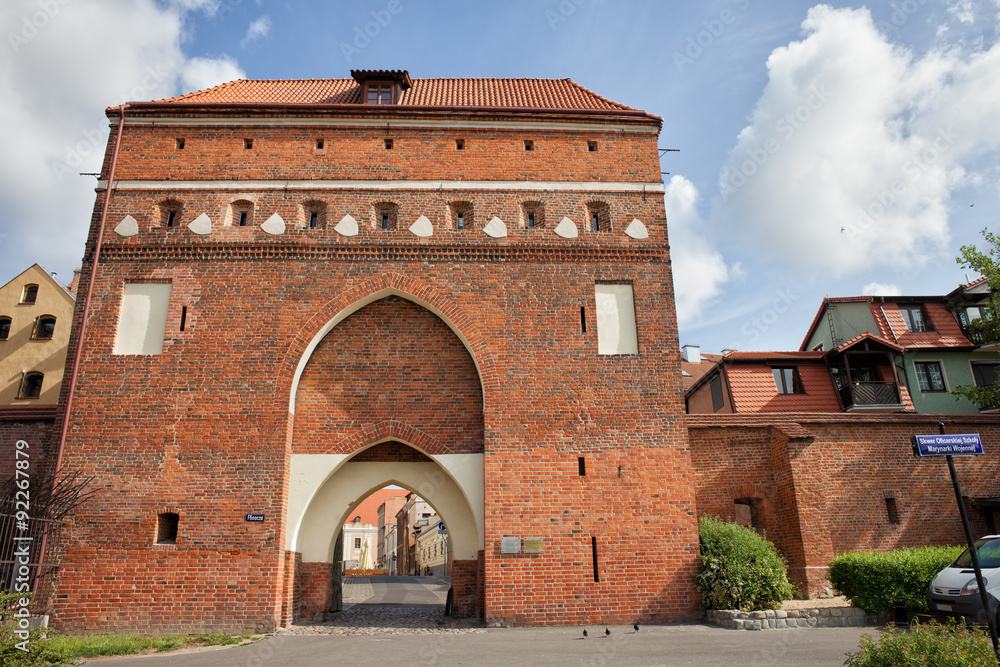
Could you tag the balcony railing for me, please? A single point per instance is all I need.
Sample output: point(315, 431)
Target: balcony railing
point(982, 333)
point(865, 394)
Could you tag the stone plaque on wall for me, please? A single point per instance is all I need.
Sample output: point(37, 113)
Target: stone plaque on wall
point(510, 545)
point(533, 545)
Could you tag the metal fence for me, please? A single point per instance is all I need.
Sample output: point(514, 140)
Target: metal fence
point(28, 540)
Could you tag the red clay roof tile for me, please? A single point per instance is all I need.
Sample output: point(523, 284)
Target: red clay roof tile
point(753, 390)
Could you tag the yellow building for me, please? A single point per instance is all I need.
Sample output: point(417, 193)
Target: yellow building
point(35, 317)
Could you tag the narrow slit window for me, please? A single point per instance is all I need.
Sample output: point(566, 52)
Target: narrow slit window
point(593, 549)
point(171, 218)
point(166, 528)
point(319, 144)
point(385, 221)
point(313, 219)
point(460, 144)
point(180, 143)
point(531, 219)
point(581, 463)
point(388, 144)
point(243, 218)
point(460, 221)
point(583, 319)
point(595, 222)
point(248, 144)
point(529, 145)
point(592, 146)
point(184, 315)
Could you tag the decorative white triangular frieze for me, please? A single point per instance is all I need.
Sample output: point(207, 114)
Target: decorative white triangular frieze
point(637, 230)
point(127, 227)
point(201, 225)
point(275, 225)
point(347, 226)
point(422, 227)
point(567, 229)
point(496, 228)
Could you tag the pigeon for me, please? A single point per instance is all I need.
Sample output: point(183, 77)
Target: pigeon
point(607, 633)
point(585, 633)
point(635, 626)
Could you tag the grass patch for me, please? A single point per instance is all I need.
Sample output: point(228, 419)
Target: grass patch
point(96, 645)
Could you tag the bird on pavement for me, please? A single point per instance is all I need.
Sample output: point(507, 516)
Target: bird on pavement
point(585, 633)
point(635, 626)
point(607, 633)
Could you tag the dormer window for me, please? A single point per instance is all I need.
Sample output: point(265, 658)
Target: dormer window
point(915, 318)
point(378, 92)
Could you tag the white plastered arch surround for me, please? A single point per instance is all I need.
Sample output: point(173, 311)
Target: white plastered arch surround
point(358, 305)
point(324, 488)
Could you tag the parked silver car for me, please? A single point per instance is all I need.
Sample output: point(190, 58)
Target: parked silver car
point(954, 591)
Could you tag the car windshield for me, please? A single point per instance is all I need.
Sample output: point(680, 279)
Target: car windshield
point(988, 550)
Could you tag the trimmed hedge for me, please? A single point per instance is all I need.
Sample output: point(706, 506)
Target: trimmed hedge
point(949, 645)
point(739, 568)
point(873, 581)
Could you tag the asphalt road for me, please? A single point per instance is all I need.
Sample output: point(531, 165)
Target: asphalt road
point(698, 645)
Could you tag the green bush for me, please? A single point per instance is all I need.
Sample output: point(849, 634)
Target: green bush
point(873, 581)
point(739, 568)
point(950, 645)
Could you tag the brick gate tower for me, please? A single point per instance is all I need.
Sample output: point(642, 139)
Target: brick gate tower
point(305, 290)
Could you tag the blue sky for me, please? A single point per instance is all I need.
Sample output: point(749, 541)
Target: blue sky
point(824, 150)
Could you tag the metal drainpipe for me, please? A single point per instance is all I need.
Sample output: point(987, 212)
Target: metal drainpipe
point(90, 291)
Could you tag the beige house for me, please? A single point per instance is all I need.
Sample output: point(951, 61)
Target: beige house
point(35, 317)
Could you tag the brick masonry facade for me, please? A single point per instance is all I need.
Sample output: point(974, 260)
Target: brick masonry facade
point(406, 350)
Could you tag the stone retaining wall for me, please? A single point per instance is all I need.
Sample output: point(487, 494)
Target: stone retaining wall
point(771, 619)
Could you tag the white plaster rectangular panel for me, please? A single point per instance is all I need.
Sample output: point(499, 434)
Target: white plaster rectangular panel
point(616, 332)
point(143, 318)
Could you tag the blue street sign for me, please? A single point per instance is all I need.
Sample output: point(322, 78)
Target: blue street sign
point(254, 517)
point(967, 444)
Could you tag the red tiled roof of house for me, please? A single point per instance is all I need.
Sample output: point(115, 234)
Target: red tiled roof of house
point(867, 335)
point(753, 389)
point(368, 509)
point(767, 355)
point(946, 330)
point(551, 94)
point(697, 371)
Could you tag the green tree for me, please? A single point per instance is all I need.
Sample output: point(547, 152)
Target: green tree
point(987, 328)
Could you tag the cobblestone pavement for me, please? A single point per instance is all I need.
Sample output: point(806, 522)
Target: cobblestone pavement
point(359, 618)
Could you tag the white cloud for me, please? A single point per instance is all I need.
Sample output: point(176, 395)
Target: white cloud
point(699, 271)
point(855, 146)
point(880, 289)
point(258, 29)
point(60, 71)
point(963, 11)
point(202, 73)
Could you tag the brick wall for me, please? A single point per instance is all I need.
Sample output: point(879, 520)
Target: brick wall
point(34, 425)
point(824, 479)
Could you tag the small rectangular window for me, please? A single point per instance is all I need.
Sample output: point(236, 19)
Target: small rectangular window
point(929, 375)
point(718, 400)
point(915, 318)
point(166, 528)
point(243, 218)
point(581, 463)
point(583, 319)
point(248, 144)
point(319, 144)
point(180, 144)
point(592, 146)
point(313, 219)
point(184, 316)
point(531, 219)
point(171, 218)
point(460, 144)
point(529, 145)
point(388, 144)
point(460, 221)
point(786, 379)
point(385, 221)
point(29, 294)
point(357, 542)
point(595, 222)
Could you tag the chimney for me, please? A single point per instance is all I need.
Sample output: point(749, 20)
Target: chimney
point(692, 354)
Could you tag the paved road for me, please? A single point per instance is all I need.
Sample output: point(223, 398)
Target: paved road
point(400, 590)
point(696, 645)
